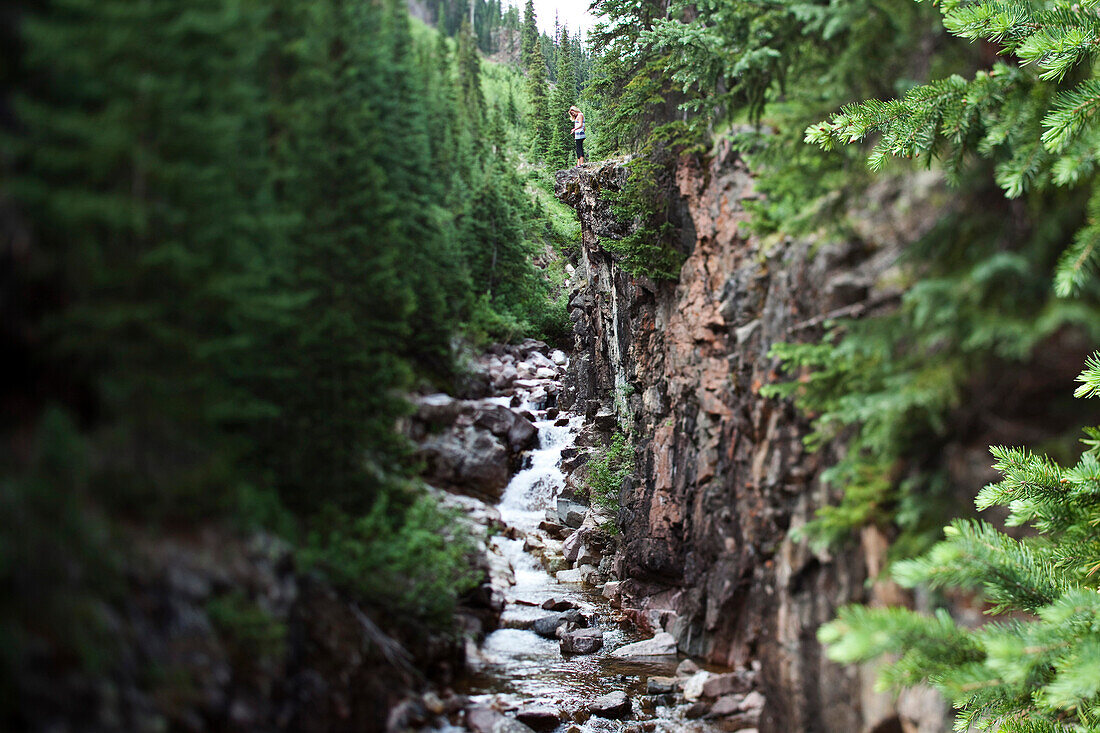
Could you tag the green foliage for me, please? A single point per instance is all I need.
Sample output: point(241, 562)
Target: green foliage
point(409, 563)
point(607, 469)
point(1036, 119)
point(241, 231)
point(871, 384)
point(250, 632)
point(1036, 670)
point(646, 200)
point(57, 563)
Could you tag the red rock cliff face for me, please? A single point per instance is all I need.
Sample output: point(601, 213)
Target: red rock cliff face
point(723, 477)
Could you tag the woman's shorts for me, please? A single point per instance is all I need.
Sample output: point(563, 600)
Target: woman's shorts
point(580, 147)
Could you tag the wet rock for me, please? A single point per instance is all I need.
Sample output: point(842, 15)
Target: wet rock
point(522, 624)
point(612, 591)
point(578, 548)
point(733, 683)
point(545, 373)
point(585, 574)
point(614, 705)
point(554, 565)
point(570, 513)
point(662, 644)
point(547, 626)
point(468, 460)
point(753, 701)
point(561, 422)
point(696, 711)
point(727, 705)
point(693, 686)
point(581, 641)
point(510, 426)
point(539, 718)
point(558, 604)
point(686, 668)
point(487, 720)
point(661, 685)
point(555, 530)
point(558, 357)
point(605, 421)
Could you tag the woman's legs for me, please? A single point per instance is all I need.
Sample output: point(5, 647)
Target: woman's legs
point(580, 151)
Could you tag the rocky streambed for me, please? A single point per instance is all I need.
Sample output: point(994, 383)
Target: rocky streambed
point(565, 655)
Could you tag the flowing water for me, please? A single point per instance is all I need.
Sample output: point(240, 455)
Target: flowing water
point(516, 668)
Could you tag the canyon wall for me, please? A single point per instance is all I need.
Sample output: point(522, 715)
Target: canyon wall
point(723, 477)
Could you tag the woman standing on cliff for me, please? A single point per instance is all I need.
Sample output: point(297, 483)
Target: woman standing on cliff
point(577, 116)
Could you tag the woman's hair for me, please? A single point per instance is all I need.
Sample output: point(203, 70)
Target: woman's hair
point(574, 110)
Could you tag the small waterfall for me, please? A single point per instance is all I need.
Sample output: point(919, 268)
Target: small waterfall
point(534, 489)
point(515, 668)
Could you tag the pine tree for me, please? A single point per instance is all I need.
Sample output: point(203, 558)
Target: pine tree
point(1039, 669)
point(561, 139)
point(337, 166)
point(530, 36)
point(470, 95)
point(539, 124)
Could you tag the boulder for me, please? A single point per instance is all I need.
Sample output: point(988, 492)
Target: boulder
point(661, 685)
point(570, 513)
point(686, 668)
point(586, 574)
point(487, 720)
point(547, 626)
point(545, 373)
point(508, 425)
point(581, 641)
point(541, 361)
point(693, 686)
point(753, 701)
point(578, 547)
point(558, 604)
point(438, 409)
point(613, 592)
point(554, 529)
point(661, 645)
point(467, 460)
point(614, 705)
point(605, 421)
point(696, 711)
point(559, 357)
point(733, 683)
point(727, 705)
point(539, 718)
point(504, 376)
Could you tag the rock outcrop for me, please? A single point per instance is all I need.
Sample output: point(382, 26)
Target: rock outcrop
point(723, 476)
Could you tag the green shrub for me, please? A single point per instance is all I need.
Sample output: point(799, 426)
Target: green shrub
point(250, 632)
point(608, 469)
point(410, 564)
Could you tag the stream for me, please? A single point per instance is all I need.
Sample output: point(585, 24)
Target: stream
point(516, 671)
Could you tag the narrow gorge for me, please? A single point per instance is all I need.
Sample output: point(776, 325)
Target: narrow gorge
point(695, 553)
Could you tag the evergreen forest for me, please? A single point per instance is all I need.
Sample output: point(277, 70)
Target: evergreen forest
point(238, 235)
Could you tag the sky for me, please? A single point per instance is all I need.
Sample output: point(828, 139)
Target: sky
point(572, 13)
